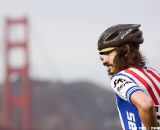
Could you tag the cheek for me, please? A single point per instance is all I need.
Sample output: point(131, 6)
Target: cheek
point(113, 58)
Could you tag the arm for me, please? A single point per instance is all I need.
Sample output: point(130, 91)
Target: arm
point(145, 108)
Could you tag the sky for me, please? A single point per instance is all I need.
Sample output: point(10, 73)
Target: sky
point(64, 34)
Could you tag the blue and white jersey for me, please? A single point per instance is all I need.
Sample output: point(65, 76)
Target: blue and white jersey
point(125, 83)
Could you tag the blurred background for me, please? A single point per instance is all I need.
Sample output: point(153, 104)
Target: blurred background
point(54, 80)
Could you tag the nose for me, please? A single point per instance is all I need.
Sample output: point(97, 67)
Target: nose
point(105, 59)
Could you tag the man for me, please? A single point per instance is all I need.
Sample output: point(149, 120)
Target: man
point(137, 86)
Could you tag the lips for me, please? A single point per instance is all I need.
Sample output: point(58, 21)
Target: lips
point(109, 66)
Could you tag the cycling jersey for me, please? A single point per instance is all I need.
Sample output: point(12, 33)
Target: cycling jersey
point(125, 83)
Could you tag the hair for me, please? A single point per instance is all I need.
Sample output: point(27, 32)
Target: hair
point(128, 55)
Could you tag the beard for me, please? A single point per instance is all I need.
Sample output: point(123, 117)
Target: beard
point(111, 71)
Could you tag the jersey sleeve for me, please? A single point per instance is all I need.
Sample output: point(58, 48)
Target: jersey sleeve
point(124, 86)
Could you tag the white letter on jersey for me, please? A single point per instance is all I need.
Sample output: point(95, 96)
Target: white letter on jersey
point(131, 121)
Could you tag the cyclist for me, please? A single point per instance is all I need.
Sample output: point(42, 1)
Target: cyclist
point(136, 85)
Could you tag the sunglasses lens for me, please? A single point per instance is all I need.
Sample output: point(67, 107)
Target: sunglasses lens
point(101, 57)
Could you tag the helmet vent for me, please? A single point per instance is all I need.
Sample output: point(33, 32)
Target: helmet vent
point(135, 31)
point(139, 36)
point(112, 36)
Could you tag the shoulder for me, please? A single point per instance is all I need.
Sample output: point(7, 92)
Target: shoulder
point(134, 74)
point(121, 78)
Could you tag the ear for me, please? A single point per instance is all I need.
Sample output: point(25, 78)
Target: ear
point(128, 50)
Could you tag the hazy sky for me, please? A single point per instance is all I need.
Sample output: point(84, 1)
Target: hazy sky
point(64, 34)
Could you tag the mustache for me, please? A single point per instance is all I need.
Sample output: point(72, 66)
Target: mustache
point(107, 64)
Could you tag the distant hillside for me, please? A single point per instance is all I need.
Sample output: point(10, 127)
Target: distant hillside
point(73, 106)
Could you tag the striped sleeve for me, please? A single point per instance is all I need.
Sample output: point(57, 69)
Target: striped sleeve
point(149, 80)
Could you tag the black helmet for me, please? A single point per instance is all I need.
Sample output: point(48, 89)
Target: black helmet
point(118, 35)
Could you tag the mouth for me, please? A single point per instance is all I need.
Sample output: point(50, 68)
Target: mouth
point(109, 66)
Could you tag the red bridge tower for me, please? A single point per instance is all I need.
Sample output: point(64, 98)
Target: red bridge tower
point(22, 100)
